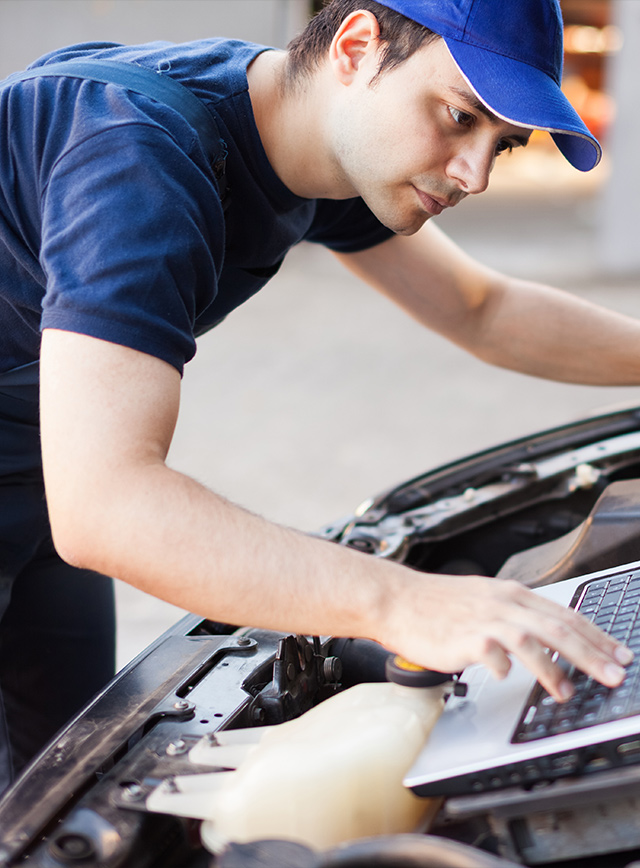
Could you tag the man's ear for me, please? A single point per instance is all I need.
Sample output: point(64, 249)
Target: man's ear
point(356, 40)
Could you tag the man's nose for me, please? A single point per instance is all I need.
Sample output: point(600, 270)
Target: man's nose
point(471, 169)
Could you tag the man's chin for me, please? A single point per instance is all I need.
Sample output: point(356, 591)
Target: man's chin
point(400, 217)
point(405, 228)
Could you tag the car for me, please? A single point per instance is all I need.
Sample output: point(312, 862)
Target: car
point(557, 504)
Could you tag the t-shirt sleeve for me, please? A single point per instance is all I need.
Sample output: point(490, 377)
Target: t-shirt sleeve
point(346, 226)
point(132, 241)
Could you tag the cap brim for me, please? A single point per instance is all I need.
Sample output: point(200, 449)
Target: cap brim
point(525, 96)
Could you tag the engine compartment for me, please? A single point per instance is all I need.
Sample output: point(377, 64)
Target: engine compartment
point(555, 505)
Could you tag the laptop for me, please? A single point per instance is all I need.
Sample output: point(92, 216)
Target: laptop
point(513, 733)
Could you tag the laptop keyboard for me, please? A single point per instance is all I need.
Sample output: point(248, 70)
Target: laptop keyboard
point(613, 604)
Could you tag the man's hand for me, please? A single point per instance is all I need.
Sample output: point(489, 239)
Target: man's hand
point(459, 620)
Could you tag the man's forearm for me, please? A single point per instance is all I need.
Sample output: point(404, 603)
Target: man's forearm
point(507, 322)
point(549, 333)
point(169, 536)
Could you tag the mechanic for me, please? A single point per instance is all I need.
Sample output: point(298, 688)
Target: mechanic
point(116, 253)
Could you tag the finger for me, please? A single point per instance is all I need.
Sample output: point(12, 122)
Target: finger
point(563, 623)
point(537, 658)
point(492, 654)
point(531, 638)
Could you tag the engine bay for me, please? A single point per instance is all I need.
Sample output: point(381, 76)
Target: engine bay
point(555, 505)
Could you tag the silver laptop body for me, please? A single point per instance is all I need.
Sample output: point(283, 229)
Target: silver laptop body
point(474, 746)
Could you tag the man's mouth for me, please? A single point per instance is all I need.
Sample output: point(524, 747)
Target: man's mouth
point(433, 204)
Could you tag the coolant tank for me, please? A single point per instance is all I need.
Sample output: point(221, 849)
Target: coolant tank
point(332, 775)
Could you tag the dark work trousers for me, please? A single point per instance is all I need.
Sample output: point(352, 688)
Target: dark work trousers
point(57, 623)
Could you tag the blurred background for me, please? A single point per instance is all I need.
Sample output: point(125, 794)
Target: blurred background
point(317, 393)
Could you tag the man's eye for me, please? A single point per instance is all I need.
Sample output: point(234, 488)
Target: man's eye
point(503, 146)
point(460, 117)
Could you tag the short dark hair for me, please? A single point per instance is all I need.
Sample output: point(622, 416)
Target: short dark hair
point(401, 36)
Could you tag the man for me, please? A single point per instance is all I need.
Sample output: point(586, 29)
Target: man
point(116, 251)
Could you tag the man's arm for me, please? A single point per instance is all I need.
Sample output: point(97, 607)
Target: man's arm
point(107, 418)
point(508, 322)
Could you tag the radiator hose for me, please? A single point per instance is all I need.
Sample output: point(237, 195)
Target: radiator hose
point(391, 851)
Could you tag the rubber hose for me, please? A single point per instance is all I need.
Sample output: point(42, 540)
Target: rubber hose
point(410, 851)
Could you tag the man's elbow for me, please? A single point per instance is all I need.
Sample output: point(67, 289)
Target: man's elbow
point(75, 545)
point(78, 531)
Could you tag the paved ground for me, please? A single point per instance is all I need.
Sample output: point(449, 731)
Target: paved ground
point(318, 393)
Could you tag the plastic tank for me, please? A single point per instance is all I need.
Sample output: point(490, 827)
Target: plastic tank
point(332, 775)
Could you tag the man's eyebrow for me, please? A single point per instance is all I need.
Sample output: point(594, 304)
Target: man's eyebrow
point(473, 102)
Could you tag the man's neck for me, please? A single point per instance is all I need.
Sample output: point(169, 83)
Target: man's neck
point(289, 121)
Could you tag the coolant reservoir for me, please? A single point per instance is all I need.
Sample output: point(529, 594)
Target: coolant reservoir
point(332, 775)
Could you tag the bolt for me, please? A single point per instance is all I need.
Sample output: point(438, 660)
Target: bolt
point(258, 714)
point(182, 705)
point(72, 847)
point(363, 544)
point(132, 792)
point(177, 747)
point(332, 669)
point(244, 641)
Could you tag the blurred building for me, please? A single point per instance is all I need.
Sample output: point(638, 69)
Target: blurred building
point(29, 28)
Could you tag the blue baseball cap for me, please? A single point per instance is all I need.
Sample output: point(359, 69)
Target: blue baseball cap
point(511, 53)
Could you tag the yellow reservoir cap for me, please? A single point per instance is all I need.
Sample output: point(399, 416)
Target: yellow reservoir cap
point(401, 671)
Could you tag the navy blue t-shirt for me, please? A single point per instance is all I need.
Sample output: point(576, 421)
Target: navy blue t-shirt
point(110, 220)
